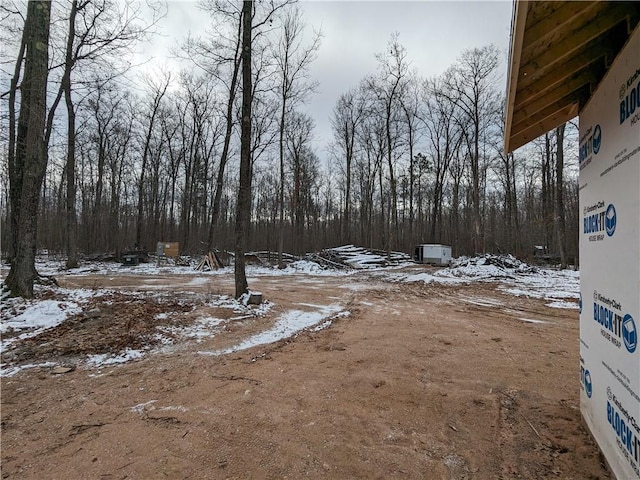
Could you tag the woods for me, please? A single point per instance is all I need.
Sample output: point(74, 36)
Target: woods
point(223, 153)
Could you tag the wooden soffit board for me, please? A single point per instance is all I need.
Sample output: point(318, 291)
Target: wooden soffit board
point(559, 53)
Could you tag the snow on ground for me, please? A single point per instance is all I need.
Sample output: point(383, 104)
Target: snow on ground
point(560, 287)
point(287, 325)
point(207, 326)
point(35, 316)
point(357, 257)
point(39, 315)
point(55, 267)
point(28, 318)
point(23, 319)
point(105, 359)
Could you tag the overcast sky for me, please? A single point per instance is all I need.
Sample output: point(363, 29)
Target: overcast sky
point(433, 32)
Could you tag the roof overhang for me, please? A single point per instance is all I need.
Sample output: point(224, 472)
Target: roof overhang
point(559, 53)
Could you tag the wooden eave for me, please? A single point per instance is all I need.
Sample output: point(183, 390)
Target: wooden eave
point(559, 53)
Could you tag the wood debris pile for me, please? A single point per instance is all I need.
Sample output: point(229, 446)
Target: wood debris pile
point(110, 324)
point(350, 256)
point(210, 261)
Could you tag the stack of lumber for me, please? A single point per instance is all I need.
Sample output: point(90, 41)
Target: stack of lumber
point(270, 258)
point(209, 262)
point(350, 256)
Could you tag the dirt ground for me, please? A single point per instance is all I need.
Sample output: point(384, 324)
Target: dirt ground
point(419, 382)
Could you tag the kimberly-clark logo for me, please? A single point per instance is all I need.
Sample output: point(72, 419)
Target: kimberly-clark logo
point(630, 99)
point(610, 220)
point(629, 333)
point(615, 326)
point(597, 219)
point(624, 425)
point(586, 382)
point(590, 144)
point(580, 302)
point(597, 139)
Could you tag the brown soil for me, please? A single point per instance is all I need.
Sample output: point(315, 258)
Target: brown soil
point(418, 382)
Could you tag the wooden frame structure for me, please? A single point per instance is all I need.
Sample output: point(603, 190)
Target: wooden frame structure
point(559, 53)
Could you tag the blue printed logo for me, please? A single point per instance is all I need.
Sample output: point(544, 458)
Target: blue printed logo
point(597, 139)
point(629, 333)
point(610, 220)
point(580, 302)
point(587, 383)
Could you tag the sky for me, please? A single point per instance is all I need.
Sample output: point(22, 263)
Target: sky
point(434, 34)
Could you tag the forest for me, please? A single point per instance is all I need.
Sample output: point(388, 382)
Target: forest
point(132, 156)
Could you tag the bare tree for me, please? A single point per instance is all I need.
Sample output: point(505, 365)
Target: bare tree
point(559, 215)
point(243, 209)
point(105, 30)
point(506, 169)
point(388, 88)
point(27, 169)
point(65, 85)
point(444, 138)
point(158, 90)
point(293, 59)
point(298, 137)
point(347, 115)
point(220, 56)
point(410, 104)
point(371, 139)
point(473, 92)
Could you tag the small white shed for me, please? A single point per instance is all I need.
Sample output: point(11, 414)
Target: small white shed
point(433, 254)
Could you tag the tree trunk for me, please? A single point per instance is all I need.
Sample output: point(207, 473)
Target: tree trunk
point(30, 161)
point(393, 213)
point(346, 237)
point(215, 214)
point(244, 190)
point(546, 188)
point(71, 220)
point(159, 93)
point(281, 190)
point(475, 172)
point(559, 203)
point(14, 195)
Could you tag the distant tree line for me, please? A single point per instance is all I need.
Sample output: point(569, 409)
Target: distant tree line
point(133, 159)
point(421, 160)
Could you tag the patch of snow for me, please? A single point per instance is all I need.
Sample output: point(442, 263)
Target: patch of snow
point(178, 408)
point(287, 325)
point(531, 320)
point(322, 326)
point(12, 370)
point(305, 266)
point(109, 359)
point(559, 287)
point(483, 302)
point(143, 407)
point(430, 278)
point(204, 327)
point(40, 314)
point(563, 304)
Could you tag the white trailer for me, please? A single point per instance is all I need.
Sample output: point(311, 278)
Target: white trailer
point(433, 254)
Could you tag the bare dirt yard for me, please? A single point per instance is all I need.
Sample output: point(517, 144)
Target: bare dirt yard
point(416, 381)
